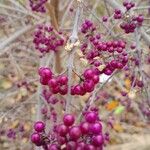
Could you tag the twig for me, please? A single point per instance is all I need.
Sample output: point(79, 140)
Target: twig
point(15, 35)
point(73, 38)
point(141, 7)
point(19, 10)
point(65, 14)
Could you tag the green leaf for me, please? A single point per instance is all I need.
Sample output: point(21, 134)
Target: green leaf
point(119, 110)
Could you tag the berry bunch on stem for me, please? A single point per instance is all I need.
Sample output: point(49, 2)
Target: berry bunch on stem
point(68, 135)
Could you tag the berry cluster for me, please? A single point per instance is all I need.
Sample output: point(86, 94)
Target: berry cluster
point(49, 113)
point(68, 136)
point(114, 64)
point(131, 22)
point(12, 133)
point(38, 5)
point(45, 40)
point(49, 97)
point(98, 47)
point(117, 14)
point(56, 84)
point(130, 25)
point(36, 137)
point(90, 79)
point(128, 5)
point(87, 26)
point(59, 84)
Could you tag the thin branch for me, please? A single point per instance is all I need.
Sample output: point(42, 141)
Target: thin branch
point(73, 39)
point(15, 35)
point(19, 10)
point(141, 7)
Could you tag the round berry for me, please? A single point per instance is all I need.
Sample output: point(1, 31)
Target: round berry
point(97, 140)
point(88, 85)
point(84, 127)
point(68, 120)
point(89, 147)
point(71, 145)
point(91, 117)
point(53, 83)
point(96, 128)
point(62, 130)
point(75, 133)
point(53, 147)
point(63, 80)
point(88, 73)
point(35, 138)
point(39, 126)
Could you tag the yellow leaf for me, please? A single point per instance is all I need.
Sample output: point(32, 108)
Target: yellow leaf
point(101, 67)
point(79, 53)
point(84, 61)
point(23, 91)
point(132, 94)
point(33, 110)
point(128, 83)
point(24, 140)
point(2, 66)
point(117, 127)
point(112, 105)
point(5, 84)
point(27, 127)
point(15, 124)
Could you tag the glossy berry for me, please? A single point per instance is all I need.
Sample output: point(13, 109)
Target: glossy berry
point(35, 138)
point(89, 147)
point(62, 130)
point(53, 147)
point(91, 117)
point(52, 83)
point(68, 120)
point(84, 127)
point(63, 80)
point(96, 128)
point(71, 145)
point(88, 85)
point(39, 126)
point(88, 73)
point(75, 133)
point(97, 140)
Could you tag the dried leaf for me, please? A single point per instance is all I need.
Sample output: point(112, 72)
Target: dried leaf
point(5, 84)
point(117, 127)
point(128, 83)
point(112, 105)
point(84, 61)
point(23, 91)
point(15, 124)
